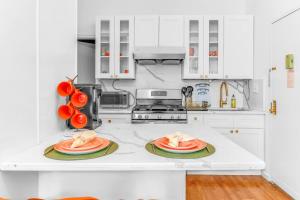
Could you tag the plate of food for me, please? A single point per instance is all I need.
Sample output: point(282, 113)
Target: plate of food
point(82, 143)
point(179, 143)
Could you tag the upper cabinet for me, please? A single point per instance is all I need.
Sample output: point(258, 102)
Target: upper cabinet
point(193, 65)
point(146, 31)
point(238, 47)
point(154, 31)
point(171, 30)
point(114, 48)
point(213, 47)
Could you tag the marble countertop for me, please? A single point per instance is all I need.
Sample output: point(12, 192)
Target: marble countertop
point(132, 155)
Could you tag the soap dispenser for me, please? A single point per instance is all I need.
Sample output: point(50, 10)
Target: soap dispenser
point(233, 101)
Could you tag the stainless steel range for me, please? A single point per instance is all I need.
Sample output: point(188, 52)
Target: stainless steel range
point(158, 106)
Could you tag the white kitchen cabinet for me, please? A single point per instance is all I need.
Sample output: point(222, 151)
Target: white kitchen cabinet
point(104, 47)
point(124, 45)
point(250, 139)
point(146, 31)
point(238, 47)
point(194, 44)
point(114, 48)
point(245, 130)
point(213, 47)
point(171, 30)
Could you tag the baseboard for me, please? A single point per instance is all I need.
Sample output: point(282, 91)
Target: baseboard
point(294, 194)
point(227, 172)
point(266, 175)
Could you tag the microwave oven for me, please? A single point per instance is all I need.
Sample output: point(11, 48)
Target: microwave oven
point(114, 99)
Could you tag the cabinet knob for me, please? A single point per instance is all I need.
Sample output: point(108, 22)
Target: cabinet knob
point(236, 131)
point(226, 76)
point(195, 118)
point(231, 131)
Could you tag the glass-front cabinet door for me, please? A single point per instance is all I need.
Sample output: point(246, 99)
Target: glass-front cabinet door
point(124, 44)
point(213, 47)
point(104, 47)
point(193, 66)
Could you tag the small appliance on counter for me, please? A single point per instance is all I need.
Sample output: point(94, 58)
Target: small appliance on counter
point(93, 91)
point(158, 106)
point(114, 100)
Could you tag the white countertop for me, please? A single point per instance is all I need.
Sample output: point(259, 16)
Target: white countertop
point(132, 155)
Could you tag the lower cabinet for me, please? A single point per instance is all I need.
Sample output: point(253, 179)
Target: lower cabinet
point(250, 139)
point(246, 130)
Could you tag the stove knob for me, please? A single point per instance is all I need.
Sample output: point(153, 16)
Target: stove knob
point(178, 117)
point(146, 116)
point(172, 117)
point(158, 117)
point(140, 116)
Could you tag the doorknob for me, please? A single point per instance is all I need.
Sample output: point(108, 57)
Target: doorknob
point(273, 108)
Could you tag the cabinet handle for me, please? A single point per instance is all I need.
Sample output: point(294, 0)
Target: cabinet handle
point(236, 131)
point(231, 131)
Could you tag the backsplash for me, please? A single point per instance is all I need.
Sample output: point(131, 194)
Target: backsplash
point(171, 76)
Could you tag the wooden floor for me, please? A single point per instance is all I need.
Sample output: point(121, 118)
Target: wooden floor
point(200, 187)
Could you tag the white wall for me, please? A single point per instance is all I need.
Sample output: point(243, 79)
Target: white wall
point(18, 82)
point(89, 9)
point(57, 59)
point(266, 12)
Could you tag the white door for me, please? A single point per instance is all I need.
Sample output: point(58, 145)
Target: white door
point(238, 47)
point(124, 44)
point(193, 64)
point(171, 30)
point(213, 47)
point(104, 48)
point(146, 31)
point(283, 137)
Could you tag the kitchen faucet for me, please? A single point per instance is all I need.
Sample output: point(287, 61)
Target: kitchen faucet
point(223, 102)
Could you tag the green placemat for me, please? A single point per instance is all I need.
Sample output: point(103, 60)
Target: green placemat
point(209, 150)
point(50, 152)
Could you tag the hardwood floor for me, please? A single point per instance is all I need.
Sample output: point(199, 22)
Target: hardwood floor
point(201, 187)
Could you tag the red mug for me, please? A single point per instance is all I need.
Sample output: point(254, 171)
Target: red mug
point(79, 120)
point(65, 88)
point(79, 99)
point(65, 111)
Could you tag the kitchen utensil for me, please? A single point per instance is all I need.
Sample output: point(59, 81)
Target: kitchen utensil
point(79, 99)
point(189, 90)
point(59, 147)
point(65, 88)
point(78, 120)
point(65, 111)
point(183, 91)
point(66, 144)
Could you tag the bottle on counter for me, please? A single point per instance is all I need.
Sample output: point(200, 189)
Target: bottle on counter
point(233, 101)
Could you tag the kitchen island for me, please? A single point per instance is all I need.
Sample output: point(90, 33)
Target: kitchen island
point(131, 169)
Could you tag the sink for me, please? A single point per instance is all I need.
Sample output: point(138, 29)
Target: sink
point(227, 109)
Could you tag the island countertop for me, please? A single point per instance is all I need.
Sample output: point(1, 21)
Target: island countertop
point(132, 154)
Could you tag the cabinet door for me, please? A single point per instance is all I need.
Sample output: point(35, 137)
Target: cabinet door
point(171, 29)
point(193, 66)
point(124, 41)
point(238, 47)
point(146, 31)
point(104, 48)
point(250, 139)
point(213, 49)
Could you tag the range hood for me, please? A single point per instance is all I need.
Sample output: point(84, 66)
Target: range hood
point(159, 55)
